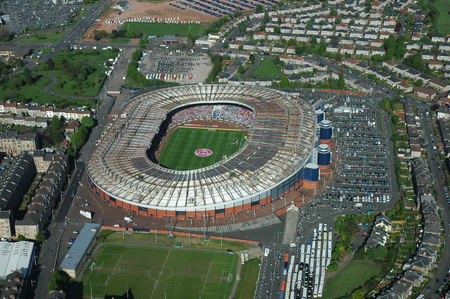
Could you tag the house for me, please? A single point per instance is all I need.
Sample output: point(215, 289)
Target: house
point(444, 47)
point(378, 236)
point(438, 38)
point(249, 46)
point(376, 43)
point(427, 55)
point(405, 87)
point(413, 277)
point(384, 222)
point(332, 49)
point(422, 264)
point(14, 286)
point(443, 57)
point(351, 63)
point(278, 49)
point(435, 65)
point(403, 289)
point(424, 93)
point(285, 58)
point(438, 85)
point(362, 51)
point(260, 35)
point(264, 47)
point(430, 239)
point(378, 51)
point(297, 60)
point(389, 64)
point(347, 50)
point(234, 45)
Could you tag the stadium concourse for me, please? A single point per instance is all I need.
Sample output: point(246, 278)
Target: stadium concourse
point(269, 166)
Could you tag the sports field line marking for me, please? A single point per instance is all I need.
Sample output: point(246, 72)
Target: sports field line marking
point(206, 279)
point(228, 282)
point(98, 272)
point(168, 154)
point(117, 265)
point(221, 276)
point(160, 272)
point(101, 252)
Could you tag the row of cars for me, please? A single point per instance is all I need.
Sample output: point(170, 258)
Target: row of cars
point(167, 76)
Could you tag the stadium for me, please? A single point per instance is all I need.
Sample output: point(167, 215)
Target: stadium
point(203, 150)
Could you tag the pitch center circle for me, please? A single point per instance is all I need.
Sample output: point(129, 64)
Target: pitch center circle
point(160, 273)
point(203, 152)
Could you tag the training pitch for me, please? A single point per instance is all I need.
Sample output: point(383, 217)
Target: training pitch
point(160, 273)
point(193, 148)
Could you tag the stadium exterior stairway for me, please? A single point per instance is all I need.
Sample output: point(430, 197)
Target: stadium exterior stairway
point(263, 221)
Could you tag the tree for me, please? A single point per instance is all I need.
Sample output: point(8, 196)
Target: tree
point(55, 122)
point(405, 137)
point(380, 252)
point(87, 121)
point(395, 118)
point(258, 7)
point(40, 237)
point(21, 237)
point(292, 42)
point(341, 82)
point(4, 34)
point(242, 27)
point(266, 17)
point(77, 139)
point(419, 82)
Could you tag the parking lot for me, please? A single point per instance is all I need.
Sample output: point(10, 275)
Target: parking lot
point(37, 14)
point(178, 66)
point(362, 183)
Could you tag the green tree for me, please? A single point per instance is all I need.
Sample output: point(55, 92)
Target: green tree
point(40, 237)
point(87, 121)
point(242, 27)
point(258, 7)
point(380, 252)
point(341, 81)
point(292, 42)
point(266, 17)
point(77, 139)
point(21, 238)
point(419, 82)
point(55, 123)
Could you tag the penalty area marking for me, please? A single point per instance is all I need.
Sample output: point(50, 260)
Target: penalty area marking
point(117, 267)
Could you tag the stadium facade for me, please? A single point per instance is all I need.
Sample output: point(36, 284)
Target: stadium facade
point(269, 166)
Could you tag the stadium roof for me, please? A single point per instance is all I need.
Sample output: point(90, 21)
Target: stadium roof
point(80, 246)
point(280, 142)
point(15, 256)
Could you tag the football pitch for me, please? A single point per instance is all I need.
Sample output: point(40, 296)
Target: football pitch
point(193, 148)
point(160, 273)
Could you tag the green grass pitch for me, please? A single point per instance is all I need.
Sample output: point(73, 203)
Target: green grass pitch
point(149, 272)
point(179, 152)
point(158, 29)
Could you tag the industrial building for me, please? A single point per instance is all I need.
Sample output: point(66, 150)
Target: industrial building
point(76, 257)
point(16, 256)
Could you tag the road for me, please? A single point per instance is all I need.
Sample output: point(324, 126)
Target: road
point(48, 259)
point(433, 162)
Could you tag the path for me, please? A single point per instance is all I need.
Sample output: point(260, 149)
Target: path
point(341, 267)
point(236, 281)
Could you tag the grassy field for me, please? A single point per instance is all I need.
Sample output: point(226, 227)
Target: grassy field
point(34, 93)
point(247, 285)
point(354, 275)
point(267, 69)
point(73, 87)
point(164, 29)
point(156, 273)
point(119, 41)
point(179, 152)
point(443, 20)
point(44, 37)
point(162, 240)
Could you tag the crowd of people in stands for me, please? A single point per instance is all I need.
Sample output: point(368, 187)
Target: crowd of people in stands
point(231, 113)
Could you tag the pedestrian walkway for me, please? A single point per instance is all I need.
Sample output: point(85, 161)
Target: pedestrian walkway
point(263, 221)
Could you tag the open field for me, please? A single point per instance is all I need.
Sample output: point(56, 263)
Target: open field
point(154, 273)
point(44, 37)
point(92, 83)
point(180, 151)
point(267, 69)
point(163, 29)
point(443, 20)
point(34, 93)
point(354, 275)
point(247, 285)
point(162, 240)
point(144, 8)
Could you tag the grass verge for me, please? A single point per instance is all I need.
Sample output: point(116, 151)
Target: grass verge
point(247, 285)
